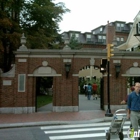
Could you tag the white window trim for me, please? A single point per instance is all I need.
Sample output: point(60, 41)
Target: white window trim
point(77, 35)
point(19, 90)
point(88, 36)
point(122, 39)
point(101, 29)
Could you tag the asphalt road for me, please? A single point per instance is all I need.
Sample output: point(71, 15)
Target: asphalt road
point(27, 133)
point(80, 131)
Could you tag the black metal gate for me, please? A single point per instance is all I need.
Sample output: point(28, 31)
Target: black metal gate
point(102, 93)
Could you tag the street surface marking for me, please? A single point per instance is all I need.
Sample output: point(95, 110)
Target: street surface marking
point(83, 131)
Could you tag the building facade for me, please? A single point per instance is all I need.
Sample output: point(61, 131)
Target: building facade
point(97, 38)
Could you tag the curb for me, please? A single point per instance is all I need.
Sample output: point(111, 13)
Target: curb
point(42, 123)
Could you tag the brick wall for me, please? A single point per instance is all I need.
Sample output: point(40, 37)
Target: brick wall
point(65, 89)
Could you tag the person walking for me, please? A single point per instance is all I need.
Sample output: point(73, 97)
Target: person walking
point(85, 88)
point(123, 102)
point(133, 104)
point(94, 87)
point(89, 90)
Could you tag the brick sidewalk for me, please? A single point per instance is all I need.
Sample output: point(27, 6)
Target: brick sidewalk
point(52, 116)
point(91, 112)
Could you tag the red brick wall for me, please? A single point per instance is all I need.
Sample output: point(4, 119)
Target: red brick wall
point(7, 93)
point(65, 89)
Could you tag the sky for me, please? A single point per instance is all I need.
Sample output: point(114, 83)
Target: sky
point(86, 15)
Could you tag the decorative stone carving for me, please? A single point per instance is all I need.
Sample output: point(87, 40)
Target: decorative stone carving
point(92, 61)
point(10, 73)
point(67, 48)
point(67, 60)
point(135, 64)
point(135, 71)
point(23, 42)
point(44, 63)
point(116, 61)
point(44, 70)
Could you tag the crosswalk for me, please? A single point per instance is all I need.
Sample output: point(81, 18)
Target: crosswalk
point(90, 131)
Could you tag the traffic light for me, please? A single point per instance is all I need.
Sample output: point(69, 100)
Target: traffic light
point(103, 65)
point(109, 51)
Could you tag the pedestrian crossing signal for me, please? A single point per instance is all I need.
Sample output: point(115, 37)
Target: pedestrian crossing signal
point(103, 65)
point(109, 51)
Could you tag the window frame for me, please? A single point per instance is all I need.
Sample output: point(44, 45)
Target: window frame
point(21, 86)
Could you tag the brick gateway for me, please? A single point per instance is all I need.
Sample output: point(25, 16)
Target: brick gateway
point(17, 87)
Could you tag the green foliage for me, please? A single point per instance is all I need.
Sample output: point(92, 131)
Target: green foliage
point(137, 49)
point(43, 84)
point(81, 84)
point(43, 100)
point(38, 19)
point(40, 22)
point(74, 44)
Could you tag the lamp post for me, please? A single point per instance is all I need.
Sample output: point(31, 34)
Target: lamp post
point(109, 54)
point(117, 68)
point(67, 68)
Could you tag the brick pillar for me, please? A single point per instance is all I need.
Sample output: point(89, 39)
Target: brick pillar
point(118, 89)
point(65, 91)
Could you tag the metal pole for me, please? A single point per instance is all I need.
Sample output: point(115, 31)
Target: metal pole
point(108, 85)
point(108, 112)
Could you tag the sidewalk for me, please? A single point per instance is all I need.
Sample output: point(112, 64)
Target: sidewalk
point(89, 112)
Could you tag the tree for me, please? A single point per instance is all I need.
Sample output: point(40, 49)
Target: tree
point(74, 44)
point(9, 31)
point(40, 22)
point(37, 19)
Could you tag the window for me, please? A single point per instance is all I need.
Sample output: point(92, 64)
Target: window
point(104, 37)
point(21, 83)
point(93, 32)
point(120, 26)
point(88, 37)
point(101, 38)
point(120, 39)
point(76, 36)
point(138, 28)
point(101, 29)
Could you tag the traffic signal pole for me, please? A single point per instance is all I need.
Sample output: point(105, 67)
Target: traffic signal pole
point(109, 54)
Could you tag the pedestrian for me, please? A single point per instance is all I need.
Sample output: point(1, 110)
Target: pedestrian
point(125, 100)
point(89, 91)
point(133, 103)
point(94, 87)
point(85, 88)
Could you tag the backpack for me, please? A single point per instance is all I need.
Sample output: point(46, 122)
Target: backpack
point(85, 88)
point(89, 88)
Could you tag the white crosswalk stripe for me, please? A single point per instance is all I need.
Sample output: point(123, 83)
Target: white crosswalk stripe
point(82, 131)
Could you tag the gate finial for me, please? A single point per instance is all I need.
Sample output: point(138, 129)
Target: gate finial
point(23, 42)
